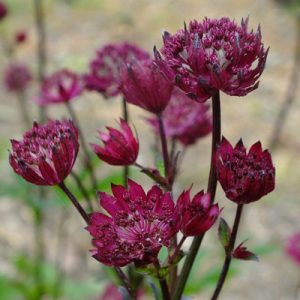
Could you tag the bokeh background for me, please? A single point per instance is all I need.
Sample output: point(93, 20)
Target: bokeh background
point(75, 29)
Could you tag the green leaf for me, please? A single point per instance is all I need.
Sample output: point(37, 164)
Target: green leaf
point(224, 233)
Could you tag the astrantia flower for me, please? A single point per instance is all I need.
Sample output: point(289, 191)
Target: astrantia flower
point(104, 71)
point(17, 77)
point(138, 226)
point(62, 86)
point(197, 215)
point(185, 119)
point(120, 146)
point(47, 153)
point(3, 10)
point(20, 37)
point(215, 54)
point(293, 248)
point(146, 84)
point(245, 177)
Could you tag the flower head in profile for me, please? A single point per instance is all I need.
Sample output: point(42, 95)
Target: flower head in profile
point(17, 77)
point(244, 177)
point(215, 54)
point(147, 84)
point(120, 147)
point(3, 10)
point(137, 226)
point(198, 214)
point(60, 87)
point(47, 153)
point(293, 248)
point(104, 69)
point(184, 119)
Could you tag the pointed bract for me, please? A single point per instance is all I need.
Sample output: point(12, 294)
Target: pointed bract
point(241, 252)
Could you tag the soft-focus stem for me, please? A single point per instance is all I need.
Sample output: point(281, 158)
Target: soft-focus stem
point(163, 283)
point(177, 249)
point(75, 202)
point(228, 257)
point(88, 161)
point(125, 282)
point(41, 46)
point(83, 190)
point(125, 118)
point(24, 109)
point(211, 189)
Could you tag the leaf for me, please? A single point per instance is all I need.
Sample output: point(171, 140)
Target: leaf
point(224, 233)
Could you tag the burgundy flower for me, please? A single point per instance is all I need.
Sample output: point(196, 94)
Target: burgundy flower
point(3, 10)
point(138, 226)
point(120, 148)
point(245, 177)
point(293, 248)
point(215, 54)
point(62, 86)
point(47, 153)
point(146, 84)
point(241, 252)
point(21, 37)
point(197, 215)
point(104, 73)
point(185, 119)
point(17, 77)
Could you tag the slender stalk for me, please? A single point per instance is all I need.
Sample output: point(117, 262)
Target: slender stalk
point(24, 109)
point(211, 189)
point(41, 46)
point(227, 260)
point(125, 282)
point(126, 118)
point(290, 94)
point(88, 162)
point(164, 144)
point(163, 283)
point(83, 190)
point(178, 247)
point(75, 202)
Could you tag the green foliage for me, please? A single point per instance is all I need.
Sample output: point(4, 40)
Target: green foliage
point(224, 233)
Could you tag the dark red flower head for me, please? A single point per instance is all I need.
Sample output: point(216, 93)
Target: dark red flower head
point(138, 226)
point(47, 153)
point(62, 86)
point(120, 148)
point(197, 215)
point(184, 119)
point(215, 54)
point(104, 71)
point(17, 77)
point(293, 248)
point(245, 177)
point(21, 37)
point(3, 10)
point(147, 85)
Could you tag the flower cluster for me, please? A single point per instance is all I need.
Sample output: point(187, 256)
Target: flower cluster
point(215, 54)
point(104, 69)
point(17, 77)
point(184, 119)
point(47, 153)
point(60, 87)
point(245, 177)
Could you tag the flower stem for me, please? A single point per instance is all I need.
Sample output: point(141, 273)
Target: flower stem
point(211, 189)
point(164, 144)
point(126, 118)
point(227, 260)
point(74, 201)
point(163, 283)
point(88, 162)
point(125, 282)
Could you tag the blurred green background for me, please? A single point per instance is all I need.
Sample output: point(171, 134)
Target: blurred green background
point(75, 29)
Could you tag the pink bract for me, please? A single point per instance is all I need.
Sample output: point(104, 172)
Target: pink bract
point(47, 153)
point(120, 147)
point(104, 70)
point(244, 177)
point(60, 87)
point(215, 54)
point(137, 226)
point(196, 215)
point(184, 119)
point(17, 77)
